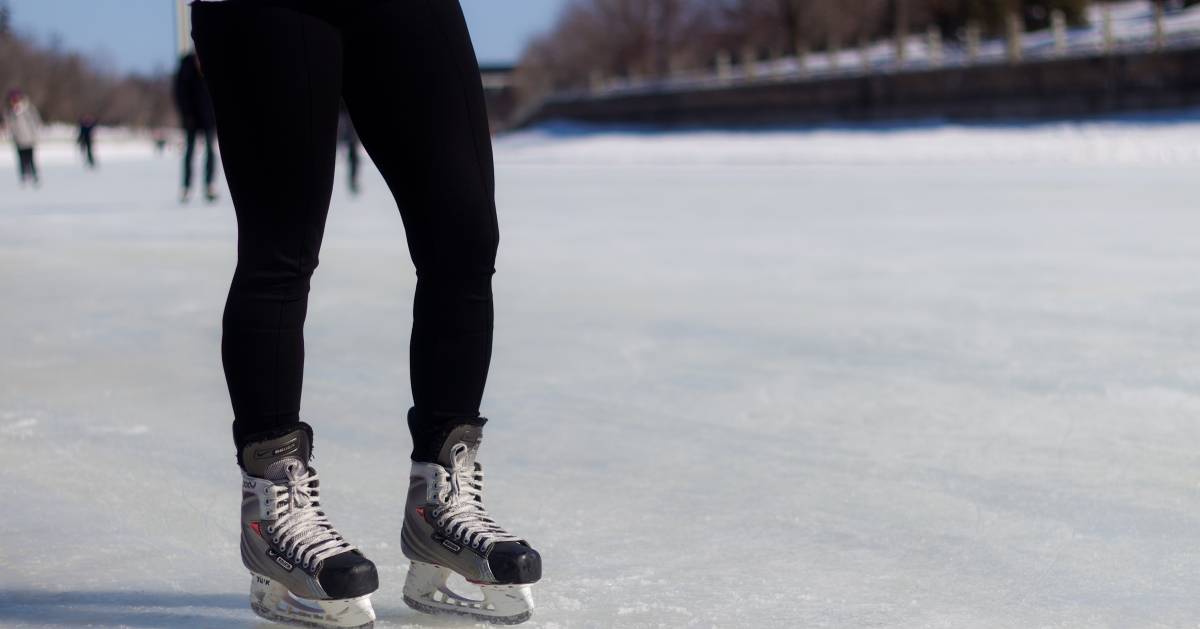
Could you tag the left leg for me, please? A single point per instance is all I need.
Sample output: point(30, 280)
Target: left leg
point(210, 165)
point(425, 124)
point(31, 164)
point(423, 120)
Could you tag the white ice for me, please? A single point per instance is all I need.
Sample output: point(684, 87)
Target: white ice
point(926, 376)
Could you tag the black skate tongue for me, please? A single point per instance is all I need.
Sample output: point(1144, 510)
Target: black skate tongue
point(270, 457)
point(434, 437)
point(469, 435)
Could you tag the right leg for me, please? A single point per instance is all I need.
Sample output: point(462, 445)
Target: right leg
point(189, 150)
point(275, 78)
point(32, 164)
point(22, 164)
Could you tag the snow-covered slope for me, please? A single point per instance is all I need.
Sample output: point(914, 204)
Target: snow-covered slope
point(923, 377)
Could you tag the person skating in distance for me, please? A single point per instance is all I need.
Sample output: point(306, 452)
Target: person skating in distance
point(196, 117)
point(24, 124)
point(278, 71)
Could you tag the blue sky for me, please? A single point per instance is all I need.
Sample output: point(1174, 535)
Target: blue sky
point(139, 35)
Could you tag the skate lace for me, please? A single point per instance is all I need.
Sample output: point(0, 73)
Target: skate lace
point(301, 529)
point(462, 514)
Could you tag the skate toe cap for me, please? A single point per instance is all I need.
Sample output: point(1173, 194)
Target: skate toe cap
point(515, 563)
point(348, 575)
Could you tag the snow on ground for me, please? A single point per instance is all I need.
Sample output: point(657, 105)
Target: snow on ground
point(909, 377)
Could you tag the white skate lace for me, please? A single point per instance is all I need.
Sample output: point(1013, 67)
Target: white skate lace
point(301, 529)
point(462, 514)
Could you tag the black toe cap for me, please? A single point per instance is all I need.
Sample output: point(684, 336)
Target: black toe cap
point(515, 563)
point(348, 575)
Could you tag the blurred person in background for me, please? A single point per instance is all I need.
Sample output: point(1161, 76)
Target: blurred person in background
point(279, 71)
point(24, 124)
point(87, 131)
point(196, 116)
point(349, 137)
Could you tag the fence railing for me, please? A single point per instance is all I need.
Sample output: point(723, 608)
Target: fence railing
point(1133, 26)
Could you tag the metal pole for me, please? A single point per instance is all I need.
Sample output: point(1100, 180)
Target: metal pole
point(183, 28)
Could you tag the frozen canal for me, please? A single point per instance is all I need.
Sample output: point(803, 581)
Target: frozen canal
point(922, 377)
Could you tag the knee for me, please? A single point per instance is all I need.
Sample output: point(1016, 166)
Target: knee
point(272, 279)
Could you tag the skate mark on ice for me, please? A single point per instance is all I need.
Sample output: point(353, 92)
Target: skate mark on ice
point(129, 609)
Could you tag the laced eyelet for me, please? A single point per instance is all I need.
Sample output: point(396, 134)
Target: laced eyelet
point(275, 540)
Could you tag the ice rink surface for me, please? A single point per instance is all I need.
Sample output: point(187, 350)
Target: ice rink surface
point(924, 376)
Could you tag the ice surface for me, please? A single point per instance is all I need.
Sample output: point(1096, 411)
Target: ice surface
point(913, 377)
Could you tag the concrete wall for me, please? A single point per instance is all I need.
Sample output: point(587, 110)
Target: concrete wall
point(1075, 87)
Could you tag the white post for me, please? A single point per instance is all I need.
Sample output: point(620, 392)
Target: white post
point(1015, 31)
point(973, 38)
point(802, 57)
point(724, 66)
point(183, 28)
point(596, 82)
point(1110, 38)
point(749, 62)
point(834, 48)
point(1058, 21)
point(864, 55)
point(1160, 25)
point(935, 46)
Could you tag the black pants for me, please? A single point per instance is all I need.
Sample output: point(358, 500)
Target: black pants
point(26, 168)
point(277, 70)
point(89, 157)
point(189, 150)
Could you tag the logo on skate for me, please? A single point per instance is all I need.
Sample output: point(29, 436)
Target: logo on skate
point(280, 560)
point(287, 448)
point(249, 484)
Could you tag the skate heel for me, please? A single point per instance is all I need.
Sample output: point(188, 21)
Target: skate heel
point(425, 590)
point(271, 600)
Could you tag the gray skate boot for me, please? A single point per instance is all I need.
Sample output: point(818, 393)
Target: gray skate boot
point(447, 529)
point(301, 570)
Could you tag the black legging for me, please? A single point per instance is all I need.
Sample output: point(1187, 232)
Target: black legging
point(278, 70)
point(26, 167)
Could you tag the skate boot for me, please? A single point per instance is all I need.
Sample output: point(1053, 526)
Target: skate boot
point(447, 529)
point(301, 570)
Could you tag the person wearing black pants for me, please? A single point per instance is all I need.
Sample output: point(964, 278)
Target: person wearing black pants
point(196, 115)
point(278, 71)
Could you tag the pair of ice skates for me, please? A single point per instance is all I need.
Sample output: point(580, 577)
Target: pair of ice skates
point(304, 572)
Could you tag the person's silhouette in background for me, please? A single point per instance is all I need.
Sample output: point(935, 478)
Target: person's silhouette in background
point(87, 130)
point(348, 136)
point(195, 116)
point(24, 124)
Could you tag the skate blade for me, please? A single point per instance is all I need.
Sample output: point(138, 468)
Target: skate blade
point(271, 600)
point(425, 590)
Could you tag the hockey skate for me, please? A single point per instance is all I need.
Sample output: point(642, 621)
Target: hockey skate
point(447, 530)
point(301, 570)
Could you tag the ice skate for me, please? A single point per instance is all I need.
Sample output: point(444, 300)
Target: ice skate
point(301, 569)
point(210, 194)
point(447, 529)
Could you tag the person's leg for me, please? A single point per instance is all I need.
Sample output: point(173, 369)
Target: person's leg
point(424, 123)
point(22, 164)
point(189, 150)
point(31, 156)
point(352, 160)
point(275, 78)
point(210, 158)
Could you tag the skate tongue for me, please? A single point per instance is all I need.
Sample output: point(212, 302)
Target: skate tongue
point(467, 434)
point(271, 458)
